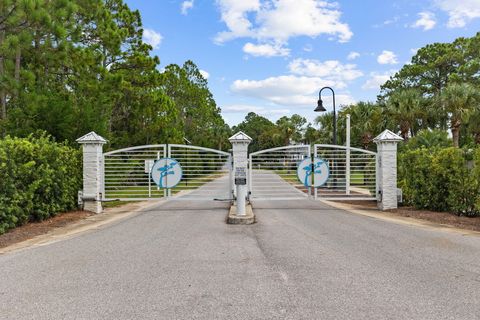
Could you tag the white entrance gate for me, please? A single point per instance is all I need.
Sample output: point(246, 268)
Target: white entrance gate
point(125, 174)
point(273, 173)
point(206, 173)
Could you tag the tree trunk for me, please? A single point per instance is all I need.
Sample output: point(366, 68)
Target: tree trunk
point(456, 133)
point(477, 138)
point(366, 138)
point(18, 55)
point(3, 97)
point(404, 129)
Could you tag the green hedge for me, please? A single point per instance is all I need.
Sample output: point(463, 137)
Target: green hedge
point(441, 180)
point(38, 179)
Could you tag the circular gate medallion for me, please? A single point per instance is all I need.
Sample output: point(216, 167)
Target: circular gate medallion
point(320, 172)
point(166, 173)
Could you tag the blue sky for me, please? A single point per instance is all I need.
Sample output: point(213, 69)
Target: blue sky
point(273, 56)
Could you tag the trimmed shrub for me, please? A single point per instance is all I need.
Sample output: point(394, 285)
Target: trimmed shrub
point(440, 180)
point(38, 179)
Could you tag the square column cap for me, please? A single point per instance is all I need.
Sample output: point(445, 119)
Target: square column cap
point(240, 137)
point(387, 136)
point(92, 138)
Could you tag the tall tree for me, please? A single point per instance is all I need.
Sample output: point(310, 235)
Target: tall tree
point(460, 101)
point(291, 128)
point(405, 109)
point(263, 132)
point(200, 117)
point(367, 120)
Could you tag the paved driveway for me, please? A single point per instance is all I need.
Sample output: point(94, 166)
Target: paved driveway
point(302, 260)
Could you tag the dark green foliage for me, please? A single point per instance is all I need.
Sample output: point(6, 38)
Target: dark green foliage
point(427, 139)
point(441, 180)
point(71, 67)
point(260, 129)
point(38, 179)
point(438, 90)
point(266, 134)
point(198, 117)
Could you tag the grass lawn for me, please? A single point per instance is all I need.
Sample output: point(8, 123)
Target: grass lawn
point(115, 203)
point(357, 178)
point(142, 190)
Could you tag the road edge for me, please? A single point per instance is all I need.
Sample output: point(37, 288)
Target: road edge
point(409, 221)
point(97, 221)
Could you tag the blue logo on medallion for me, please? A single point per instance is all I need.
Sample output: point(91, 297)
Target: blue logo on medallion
point(166, 173)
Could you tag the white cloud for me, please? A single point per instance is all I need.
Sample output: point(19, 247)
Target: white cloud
point(266, 50)
point(387, 22)
point(377, 79)
point(287, 90)
point(204, 74)
point(277, 21)
point(187, 5)
point(152, 37)
point(329, 70)
point(234, 14)
point(300, 87)
point(387, 57)
point(391, 21)
point(353, 55)
point(426, 21)
point(414, 51)
point(256, 109)
point(460, 12)
point(308, 48)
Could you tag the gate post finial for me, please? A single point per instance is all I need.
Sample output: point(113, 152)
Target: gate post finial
point(240, 142)
point(387, 169)
point(93, 166)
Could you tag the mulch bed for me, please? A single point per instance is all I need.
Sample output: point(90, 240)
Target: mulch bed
point(31, 230)
point(445, 218)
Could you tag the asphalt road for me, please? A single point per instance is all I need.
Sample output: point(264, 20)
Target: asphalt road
point(302, 260)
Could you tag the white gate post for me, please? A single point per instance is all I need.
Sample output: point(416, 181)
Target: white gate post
point(93, 175)
point(240, 142)
point(387, 169)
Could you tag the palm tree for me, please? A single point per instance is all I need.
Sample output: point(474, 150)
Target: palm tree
point(405, 108)
point(366, 122)
point(460, 101)
point(429, 139)
point(325, 124)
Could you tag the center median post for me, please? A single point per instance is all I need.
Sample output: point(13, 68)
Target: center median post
point(240, 212)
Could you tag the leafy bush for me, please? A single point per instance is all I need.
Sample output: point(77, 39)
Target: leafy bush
point(428, 139)
point(38, 179)
point(440, 180)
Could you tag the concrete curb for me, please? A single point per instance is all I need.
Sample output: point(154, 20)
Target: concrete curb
point(400, 220)
point(94, 222)
point(232, 217)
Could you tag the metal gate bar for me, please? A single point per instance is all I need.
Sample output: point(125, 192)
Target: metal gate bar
point(352, 173)
point(206, 173)
point(127, 173)
point(273, 173)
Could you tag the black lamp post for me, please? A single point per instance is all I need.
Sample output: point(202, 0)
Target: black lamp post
point(321, 108)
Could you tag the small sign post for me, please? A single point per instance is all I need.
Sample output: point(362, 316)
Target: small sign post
point(148, 169)
point(241, 176)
